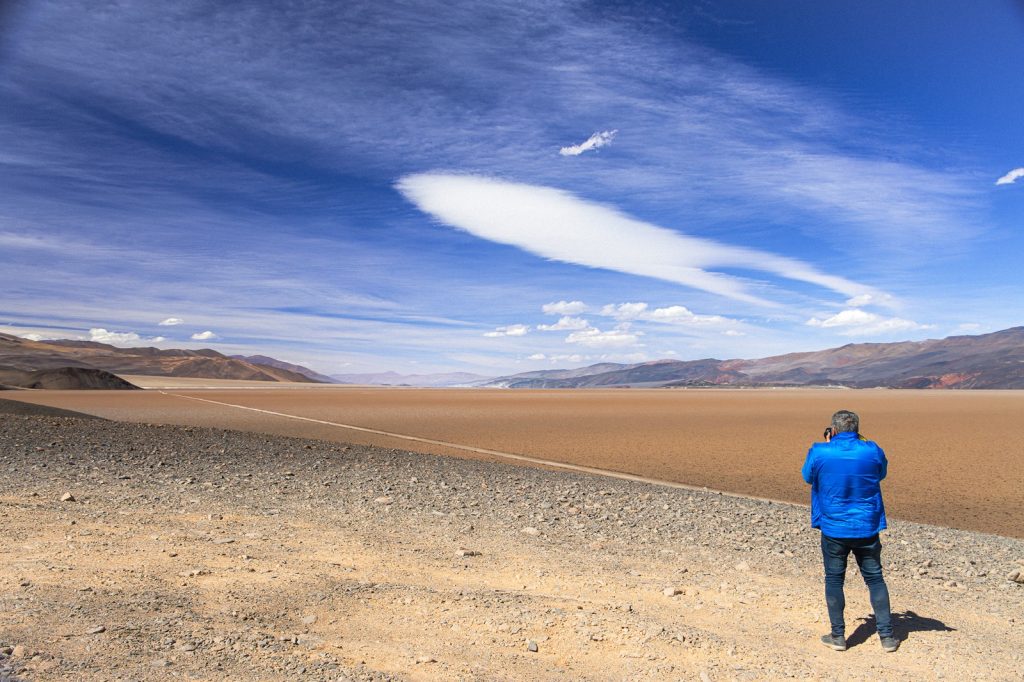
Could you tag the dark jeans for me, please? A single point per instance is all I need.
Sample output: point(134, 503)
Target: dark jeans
point(868, 552)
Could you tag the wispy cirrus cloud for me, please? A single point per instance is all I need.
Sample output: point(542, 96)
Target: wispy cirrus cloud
point(560, 226)
point(1011, 177)
point(595, 141)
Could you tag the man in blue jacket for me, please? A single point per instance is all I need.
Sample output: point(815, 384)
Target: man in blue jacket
point(845, 473)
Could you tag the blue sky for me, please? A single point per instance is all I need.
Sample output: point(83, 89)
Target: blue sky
point(498, 187)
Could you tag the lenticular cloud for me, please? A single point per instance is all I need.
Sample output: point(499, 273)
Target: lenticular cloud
point(554, 224)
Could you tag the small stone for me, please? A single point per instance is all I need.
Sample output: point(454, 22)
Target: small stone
point(188, 647)
point(383, 500)
point(161, 663)
point(467, 552)
point(19, 651)
point(1016, 575)
point(67, 497)
point(530, 530)
point(425, 659)
point(96, 630)
point(743, 566)
point(223, 541)
point(309, 620)
point(25, 583)
point(531, 646)
point(671, 591)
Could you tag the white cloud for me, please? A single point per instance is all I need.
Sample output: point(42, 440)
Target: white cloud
point(624, 311)
point(537, 356)
point(510, 330)
point(595, 338)
point(172, 322)
point(857, 322)
point(33, 337)
point(100, 335)
point(556, 225)
point(1011, 177)
point(565, 323)
point(565, 308)
point(733, 332)
point(204, 336)
point(595, 141)
point(673, 314)
point(876, 298)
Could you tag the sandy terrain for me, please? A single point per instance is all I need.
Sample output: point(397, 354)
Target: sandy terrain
point(954, 459)
point(199, 554)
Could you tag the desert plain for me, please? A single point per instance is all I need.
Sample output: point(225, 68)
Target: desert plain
point(956, 458)
point(251, 533)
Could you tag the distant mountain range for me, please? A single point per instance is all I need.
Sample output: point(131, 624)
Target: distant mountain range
point(423, 380)
point(985, 361)
point(22, 354)
point(993, 360)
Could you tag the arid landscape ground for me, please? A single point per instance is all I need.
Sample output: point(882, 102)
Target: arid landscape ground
point(954, 455)
point(140, 551)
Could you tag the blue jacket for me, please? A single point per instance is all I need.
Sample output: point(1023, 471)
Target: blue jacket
point(846, 495)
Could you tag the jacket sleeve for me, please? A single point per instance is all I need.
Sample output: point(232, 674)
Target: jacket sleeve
point(884, 463)
point(808, 470)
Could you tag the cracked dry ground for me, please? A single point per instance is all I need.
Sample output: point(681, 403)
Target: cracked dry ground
point(199, 554)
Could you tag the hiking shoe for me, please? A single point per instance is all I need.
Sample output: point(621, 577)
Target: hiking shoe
point(890, 644)
point(836, 643)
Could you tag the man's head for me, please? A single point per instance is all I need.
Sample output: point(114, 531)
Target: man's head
point(845, 421)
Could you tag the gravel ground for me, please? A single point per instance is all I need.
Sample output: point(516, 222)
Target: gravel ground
point(190, 553)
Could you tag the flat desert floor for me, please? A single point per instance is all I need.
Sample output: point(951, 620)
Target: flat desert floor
point(955, 456)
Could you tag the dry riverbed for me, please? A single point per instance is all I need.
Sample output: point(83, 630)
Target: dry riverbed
point(202, 554)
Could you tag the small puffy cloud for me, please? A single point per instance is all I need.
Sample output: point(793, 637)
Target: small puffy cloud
point(537, 356)
point(595, 141)
point(857, 322)
point(33, 337)
point(172, 322)
point(1011, 177)
point(204, 336)
point(565, 308)
point(878, 298)
point(595, 338)
point(100, 335)
point(624, 311)
point(733, 332)
point(510, 330)
point(565, 323)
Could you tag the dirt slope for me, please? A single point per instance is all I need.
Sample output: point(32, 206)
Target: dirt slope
point(212, 555)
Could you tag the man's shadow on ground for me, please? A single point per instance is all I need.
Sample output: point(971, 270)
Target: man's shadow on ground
point(902, 624)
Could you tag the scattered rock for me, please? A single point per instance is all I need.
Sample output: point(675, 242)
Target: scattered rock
point(309, 620)
point(19, 651)
point(188, 647)
point(671, 591)
point(1016, 575)
point(743, 566)
point(67, 497)
point(96, 630)
point(383, 500)
point(425, 659)
point(530, 530)
point(467, 552)
point(531, 646)
point(223, 541)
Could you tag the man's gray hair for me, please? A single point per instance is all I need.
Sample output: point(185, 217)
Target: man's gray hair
point(845, 421)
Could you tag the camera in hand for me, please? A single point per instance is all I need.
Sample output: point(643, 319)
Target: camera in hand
point(829, 433)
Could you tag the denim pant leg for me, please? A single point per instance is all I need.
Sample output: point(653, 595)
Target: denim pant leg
point(834, 554)
point(869, 560)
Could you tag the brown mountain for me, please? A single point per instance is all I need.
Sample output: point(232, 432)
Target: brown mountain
point(23, 354)
point(993, 360)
